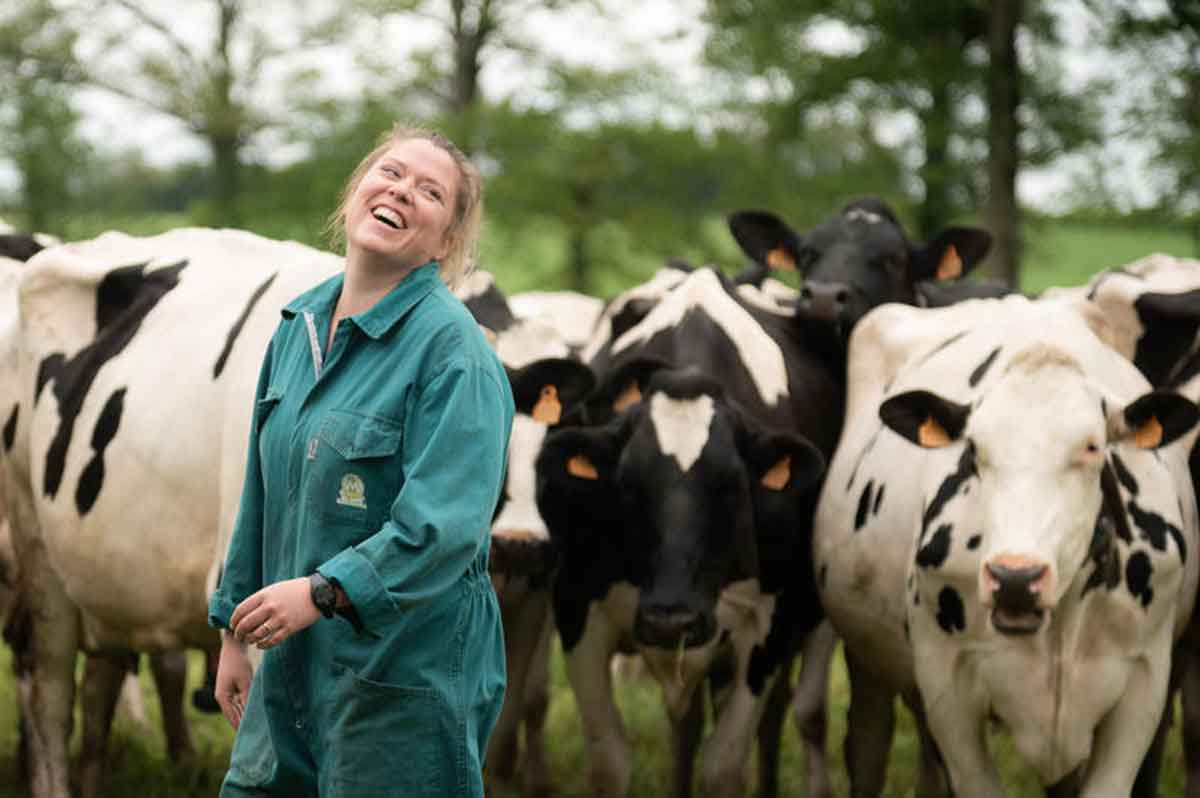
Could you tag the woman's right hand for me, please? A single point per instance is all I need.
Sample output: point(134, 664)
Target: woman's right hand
point(234, 673)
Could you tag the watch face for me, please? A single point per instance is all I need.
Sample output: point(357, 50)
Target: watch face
point(323, 596)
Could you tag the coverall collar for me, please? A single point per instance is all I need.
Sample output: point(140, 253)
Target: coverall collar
point(384, 314)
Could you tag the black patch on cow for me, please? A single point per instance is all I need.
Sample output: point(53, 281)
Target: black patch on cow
point(864, 504)
point(982, 369)
point(878, 499)
point(92, 478)
point(1138, 572)
point(1171, 321)
point(944, 344)
point(491, 309)
point(1103, 554)
point(951, 616)
point(19, 246)
point(1123, 475)
point(935, 552)
point(10, 428)
point(907, 631)
point(950, 486)
point(123, 300)
point(1155, 529)
point(973, 542)
point(236, 329)
point(51, 365)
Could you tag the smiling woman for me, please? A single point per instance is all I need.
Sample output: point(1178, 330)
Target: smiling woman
point(380, 429)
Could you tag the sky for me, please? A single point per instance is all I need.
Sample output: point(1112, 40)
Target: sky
point(667, 31)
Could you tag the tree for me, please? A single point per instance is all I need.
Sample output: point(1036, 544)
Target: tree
point(37, 120)
point(1004, 99)
point(203, 63)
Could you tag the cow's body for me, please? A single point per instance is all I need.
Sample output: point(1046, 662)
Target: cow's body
point(634, 574)
point(908, 537)
point(134, 364)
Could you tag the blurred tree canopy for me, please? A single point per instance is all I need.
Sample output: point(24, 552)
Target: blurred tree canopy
point(594, 176)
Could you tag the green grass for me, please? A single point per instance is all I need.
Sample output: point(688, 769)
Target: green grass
point(137, 764)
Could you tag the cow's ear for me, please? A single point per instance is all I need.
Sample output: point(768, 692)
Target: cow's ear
point(925, 418)
point(547, 389)
point(779, 461)
point(626, 384)
point(766, 238)
point(950, 254)
point(1153, 420)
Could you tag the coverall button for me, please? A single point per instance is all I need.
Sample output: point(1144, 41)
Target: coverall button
point(299, 724)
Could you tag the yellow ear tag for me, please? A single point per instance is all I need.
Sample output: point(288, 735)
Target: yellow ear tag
point(1149, 435)
point(931, 434)
point(951, 265)
point(779, 258)
point(579, 466)
point(548, 409)
point(630, 396)
point(777, 478)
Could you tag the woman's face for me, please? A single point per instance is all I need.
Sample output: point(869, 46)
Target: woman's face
point(404, 204)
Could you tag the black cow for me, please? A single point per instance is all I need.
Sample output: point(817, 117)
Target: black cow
point(682, 522)
point(859, 258)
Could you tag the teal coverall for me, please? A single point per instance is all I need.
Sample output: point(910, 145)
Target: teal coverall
point(378, 464)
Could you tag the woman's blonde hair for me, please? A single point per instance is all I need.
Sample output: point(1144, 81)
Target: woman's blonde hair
point(465, 224)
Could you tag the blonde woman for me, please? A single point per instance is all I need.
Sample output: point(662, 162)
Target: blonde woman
point(359, 557)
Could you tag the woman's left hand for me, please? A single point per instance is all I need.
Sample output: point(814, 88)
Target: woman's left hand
point(275, 613)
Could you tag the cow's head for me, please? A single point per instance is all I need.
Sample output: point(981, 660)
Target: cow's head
point(858, 259)
point(544, 392)
point(689, 486)
point(1035, 475)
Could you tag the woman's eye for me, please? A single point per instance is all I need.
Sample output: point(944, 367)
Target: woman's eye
point(433, 193)
point(391, 171)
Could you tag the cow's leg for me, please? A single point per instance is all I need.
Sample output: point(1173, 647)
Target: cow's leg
point(204, 697)
point(810, 708)
point(870, 723)
point(46, 688)
point(103, 677)
point(963, 728)
point(1124, 736)
point(723, 761)
point(170, 676)
point(932, 778)
point(609, 760)
point(685, 741)
point(770, 731)
point(536, 779)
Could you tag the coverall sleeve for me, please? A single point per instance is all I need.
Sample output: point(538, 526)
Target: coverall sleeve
point(454, 449)
point(242, 573)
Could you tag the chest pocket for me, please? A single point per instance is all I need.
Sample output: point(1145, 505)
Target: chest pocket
point(353, 470)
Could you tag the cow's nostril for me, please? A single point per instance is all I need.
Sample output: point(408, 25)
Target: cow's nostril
point(842, 297)
point(806, 293)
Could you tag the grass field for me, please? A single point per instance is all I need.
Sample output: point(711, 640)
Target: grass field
point(1057, 254)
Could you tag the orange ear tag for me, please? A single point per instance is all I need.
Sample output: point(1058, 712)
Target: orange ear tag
point(581, 467)
point(931, 434)
point(779, 258)
point(777, 478)
point(548, 409)
point(951, 265)
point(1149, 435)
point(630, 396)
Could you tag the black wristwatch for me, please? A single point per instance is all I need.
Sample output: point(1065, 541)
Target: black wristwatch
point(323, 594)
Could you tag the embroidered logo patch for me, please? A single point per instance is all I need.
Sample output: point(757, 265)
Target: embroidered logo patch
point(351, 493)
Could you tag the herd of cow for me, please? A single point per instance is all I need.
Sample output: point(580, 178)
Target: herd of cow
point(988, 497)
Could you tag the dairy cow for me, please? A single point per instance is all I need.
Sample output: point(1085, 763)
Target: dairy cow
point(125, 445)
point(1026, 560)
point(547, 385)
point(681, 519)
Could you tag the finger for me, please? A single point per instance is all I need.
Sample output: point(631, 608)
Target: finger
point(250, 603)
point(276, 637)
point(246, 631)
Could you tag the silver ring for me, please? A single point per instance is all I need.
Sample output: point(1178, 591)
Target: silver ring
point(267, 632)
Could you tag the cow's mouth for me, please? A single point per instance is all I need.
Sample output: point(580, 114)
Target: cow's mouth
point(1015, 622)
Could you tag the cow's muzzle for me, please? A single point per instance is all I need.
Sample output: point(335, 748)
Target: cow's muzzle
point(671, 627)
point(1016, 589)
point(823, 301)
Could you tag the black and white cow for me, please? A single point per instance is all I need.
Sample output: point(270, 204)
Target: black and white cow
point(861, 258)
point(1026, 561)
point(125, 445)
point(546, 385)
point(682, 522)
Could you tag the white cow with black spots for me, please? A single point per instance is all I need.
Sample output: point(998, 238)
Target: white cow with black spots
point(1018, 543)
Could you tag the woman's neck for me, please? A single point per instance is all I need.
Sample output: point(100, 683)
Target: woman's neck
point(366, 282)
